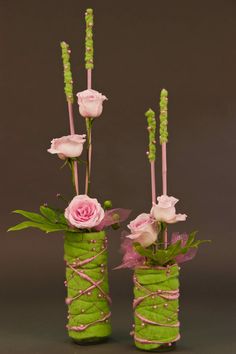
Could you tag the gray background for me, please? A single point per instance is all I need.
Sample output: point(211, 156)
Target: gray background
point(188, 47)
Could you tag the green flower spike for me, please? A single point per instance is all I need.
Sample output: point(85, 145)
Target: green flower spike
point(89, 39)
point(163, 116)
point(151, 120)
point(67, 72)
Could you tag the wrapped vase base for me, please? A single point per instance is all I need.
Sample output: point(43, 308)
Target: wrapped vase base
point(90, 341)
point(156, 306)
point(163, 348)
point(87, 287)
point(90, 338)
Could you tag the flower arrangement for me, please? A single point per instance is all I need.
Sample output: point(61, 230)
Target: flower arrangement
point(154, 258)
point(84, 219)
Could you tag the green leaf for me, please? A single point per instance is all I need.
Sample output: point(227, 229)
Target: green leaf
point(79, 160)
point(60, 217)
point(64, 164)
point(199, 242)
point(49, 214)
point(50, 221)
point(43, 227)
point(143, 251)
point(56, 227)
point(191, 238)
point(174, 249)
point(165, 256)
point(31, 216)
point(161, 256)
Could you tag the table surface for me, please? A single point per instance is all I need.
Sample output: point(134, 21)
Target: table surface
point(38, 326)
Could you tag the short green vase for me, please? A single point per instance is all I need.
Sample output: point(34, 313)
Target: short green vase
point(156, 306)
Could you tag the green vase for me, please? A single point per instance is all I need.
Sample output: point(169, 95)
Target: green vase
point(156, 306)
point(87, 287)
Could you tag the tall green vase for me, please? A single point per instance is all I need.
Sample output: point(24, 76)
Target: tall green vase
point(156, 306)
point(87, 287)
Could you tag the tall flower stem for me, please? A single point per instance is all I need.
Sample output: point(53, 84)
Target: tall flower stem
point(89, 79)
point(163, 141)
point(69, 96)
point(89, 139)
point(150, 115)
point(153, 181)
point(75, 164)
point(89, 66)
point(164, 169)
point(89, 150)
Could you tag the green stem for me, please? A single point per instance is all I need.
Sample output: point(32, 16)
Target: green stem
point(154, 248)
point(161, 236)
point(72, 167)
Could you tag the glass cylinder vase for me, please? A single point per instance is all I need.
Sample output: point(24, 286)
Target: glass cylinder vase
point(156, 306)
point(87, 287)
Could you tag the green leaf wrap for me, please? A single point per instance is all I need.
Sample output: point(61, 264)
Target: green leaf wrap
point(156, 292)
point(87, 286)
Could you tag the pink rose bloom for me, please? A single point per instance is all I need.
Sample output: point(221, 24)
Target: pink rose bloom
point(165, 210)
point(190, 254)
point(90, 103)
point(68, 146)
point(143, 230)
point(84, 212)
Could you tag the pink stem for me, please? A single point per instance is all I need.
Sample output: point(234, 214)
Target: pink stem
point(90, 151)
point(72, 131)
point(153, 181)
point(164, 183)
point(86, 182)
point(71, 118)
point(88, 171)
point(89, 79)
point(164, 169)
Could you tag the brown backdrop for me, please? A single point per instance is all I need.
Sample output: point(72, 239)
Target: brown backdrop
point(188, 47)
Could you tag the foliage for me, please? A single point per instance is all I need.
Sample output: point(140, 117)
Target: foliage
point(159, 256)
point(48, 220)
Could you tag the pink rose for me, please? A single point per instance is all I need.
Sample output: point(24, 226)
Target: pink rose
point(165, 210)
point(84, 212)
point(67, 146)
point(90, 103)
point(143, 230)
